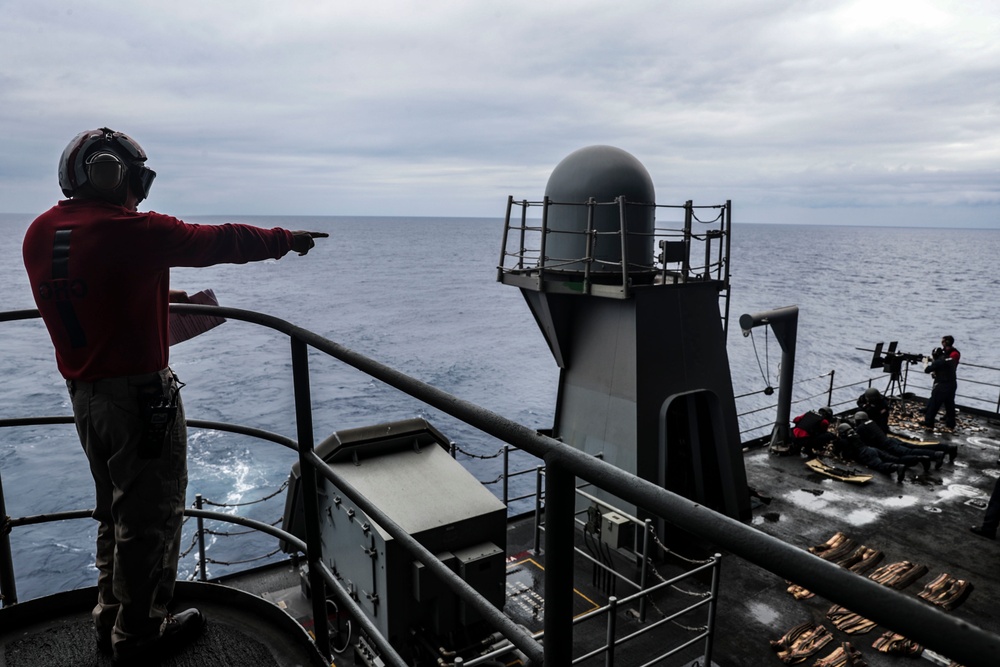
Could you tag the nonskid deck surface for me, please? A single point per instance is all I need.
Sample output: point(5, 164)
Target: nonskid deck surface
point(924, 520)
point(241, 630)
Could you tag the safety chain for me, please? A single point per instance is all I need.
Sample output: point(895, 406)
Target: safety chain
point(241, 562)
point(701, 628)
point(220, 533)
point(659, 576)
point(706, 222)
point(479, 456)
point(5, 526)
point(283, 486)
point(667, 551)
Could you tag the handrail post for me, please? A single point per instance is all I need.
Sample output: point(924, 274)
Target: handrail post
point(644, 572)
point(560, 496)
point(304, 428)
point(829, 392)
point(506, 474)
point(609, 654)
point(712, 606)
point(623, 224)
point(589, 243)
point(538, 509)
point(524, 229)
point(202, 569)
point(686, 261)
point(8, 589)
point(503, 244)
point(541, 246)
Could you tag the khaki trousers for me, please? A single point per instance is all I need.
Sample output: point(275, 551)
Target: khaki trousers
point(139, 503)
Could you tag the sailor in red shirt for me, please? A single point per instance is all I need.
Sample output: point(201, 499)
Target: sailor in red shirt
point(100, 274)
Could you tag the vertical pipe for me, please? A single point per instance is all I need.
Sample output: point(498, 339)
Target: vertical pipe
point(310, 496)
point(727, 229)
point(686, 263)
point(506, 474)
point(609, 655)
point(202, 567)
point(559, 525)
point(503, 244)
point(829, 391)
point(538, 509)
point(524, 226)
point(623, 226)
point(644, 572)
point(589, 244)
point(545, 232)
point(8, 589)
point(712, 605)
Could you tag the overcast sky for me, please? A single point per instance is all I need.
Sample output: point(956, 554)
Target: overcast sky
point(868, 112)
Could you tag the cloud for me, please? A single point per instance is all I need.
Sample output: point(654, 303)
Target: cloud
point(395, 107)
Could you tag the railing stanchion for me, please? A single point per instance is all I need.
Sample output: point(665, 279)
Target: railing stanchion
point(506, 475)
point(310, 496)
point(609, 655)
point(644, 572)
point(712, 606)
point(202, 568)
point(538, 509)
point(8, 589)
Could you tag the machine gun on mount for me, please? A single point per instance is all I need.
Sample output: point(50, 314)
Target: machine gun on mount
point(892, 362)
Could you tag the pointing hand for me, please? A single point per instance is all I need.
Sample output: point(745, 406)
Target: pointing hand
point(302, 241)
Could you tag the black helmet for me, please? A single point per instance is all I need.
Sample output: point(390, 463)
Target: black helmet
point(860, 417)
point(105, 163)
point(826, 412)
point(872, 392)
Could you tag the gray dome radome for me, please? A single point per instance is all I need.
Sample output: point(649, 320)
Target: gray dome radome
point(604, 173)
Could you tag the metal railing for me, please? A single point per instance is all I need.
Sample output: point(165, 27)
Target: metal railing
point(937, 630)
point(757, 416)
point(673, 255)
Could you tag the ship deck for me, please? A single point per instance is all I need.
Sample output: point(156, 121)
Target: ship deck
point(925, 520)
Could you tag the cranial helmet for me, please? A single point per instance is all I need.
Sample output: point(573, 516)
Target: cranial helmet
point(105, 164)
point(860, 417)
point(843, 427)
point(825, 411)
point(871, 392)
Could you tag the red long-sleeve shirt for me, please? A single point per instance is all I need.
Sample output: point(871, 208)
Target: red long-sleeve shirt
point(100, 275)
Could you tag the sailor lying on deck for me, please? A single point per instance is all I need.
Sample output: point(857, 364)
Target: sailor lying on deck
point(850, 446)
point(873, 436)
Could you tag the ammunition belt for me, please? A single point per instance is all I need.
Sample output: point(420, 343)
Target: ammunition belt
point(946, 591)
point(897, 644)
point(844, 655)
point(801, 642)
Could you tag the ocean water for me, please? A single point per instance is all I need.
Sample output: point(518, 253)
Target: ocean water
point(420, 294)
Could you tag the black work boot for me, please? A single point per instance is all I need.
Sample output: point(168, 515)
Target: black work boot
point(176, 632)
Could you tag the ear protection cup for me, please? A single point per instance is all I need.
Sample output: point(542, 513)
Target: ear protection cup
point(105, 171)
